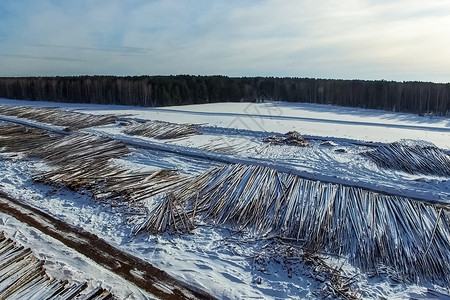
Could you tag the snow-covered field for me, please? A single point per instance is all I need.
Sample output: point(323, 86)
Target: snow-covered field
point(217, 259)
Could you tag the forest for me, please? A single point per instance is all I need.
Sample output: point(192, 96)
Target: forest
point(412, 97)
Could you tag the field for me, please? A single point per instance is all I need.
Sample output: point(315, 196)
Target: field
point(351, 203)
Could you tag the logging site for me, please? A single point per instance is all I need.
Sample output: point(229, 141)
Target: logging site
point(230, 150)
point(266, 200)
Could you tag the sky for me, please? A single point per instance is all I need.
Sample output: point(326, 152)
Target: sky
point(348, 39)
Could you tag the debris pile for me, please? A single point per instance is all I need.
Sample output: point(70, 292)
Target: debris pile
point(292, 138)
point(332, 281)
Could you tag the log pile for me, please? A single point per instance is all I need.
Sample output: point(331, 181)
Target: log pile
point(371, 229)
point(84, 162)
point(23, 276)
point(58, 117)
point(292, 138)
point(16, 138)
point(162, 130)
point(411, 157)
point(169, 215)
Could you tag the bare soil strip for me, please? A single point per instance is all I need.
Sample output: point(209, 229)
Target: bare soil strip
point(133, 269)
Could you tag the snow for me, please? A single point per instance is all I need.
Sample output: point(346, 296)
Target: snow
point(215, 259)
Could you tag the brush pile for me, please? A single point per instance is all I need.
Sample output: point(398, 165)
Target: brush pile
point(371, 229)
point(22, 276)
point(333, 282)
point(292, 138)
point(412, 157)
point(58, 117)
point(162, 130)
point(84, 162)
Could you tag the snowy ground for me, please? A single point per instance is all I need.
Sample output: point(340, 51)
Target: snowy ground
point(215, 259)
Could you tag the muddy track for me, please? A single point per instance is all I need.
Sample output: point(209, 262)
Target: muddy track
point(133, 269)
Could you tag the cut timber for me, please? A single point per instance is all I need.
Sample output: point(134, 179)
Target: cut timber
point(412, 157)
point(84, 162)
point(22, 276)
point(54, 116)
point(371, 229)
point(113, 259)
point(162, 130)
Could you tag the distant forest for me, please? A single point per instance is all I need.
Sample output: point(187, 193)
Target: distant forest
point(413, 97)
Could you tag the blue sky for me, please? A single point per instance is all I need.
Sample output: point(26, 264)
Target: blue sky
point(350, 39)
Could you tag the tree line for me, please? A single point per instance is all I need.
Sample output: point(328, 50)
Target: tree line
point(413, 97)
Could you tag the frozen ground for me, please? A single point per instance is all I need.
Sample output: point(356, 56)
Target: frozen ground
point(215, 259)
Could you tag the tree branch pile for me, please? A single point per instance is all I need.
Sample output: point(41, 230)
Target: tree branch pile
point(292, 138)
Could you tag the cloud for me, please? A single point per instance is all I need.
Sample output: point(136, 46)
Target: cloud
point(368, 39)
point(42, 57)
point(117, 49)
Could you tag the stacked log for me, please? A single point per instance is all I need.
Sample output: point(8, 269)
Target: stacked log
point(85, 162)
point(23, 276)
point(409, 236)
point(58, 117)
point(371, 229)
point(411, 157)
point(162, 130)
